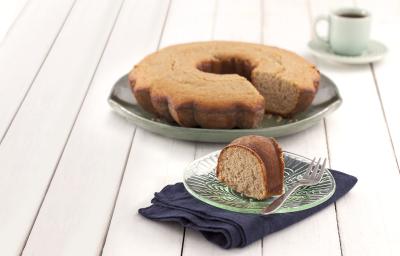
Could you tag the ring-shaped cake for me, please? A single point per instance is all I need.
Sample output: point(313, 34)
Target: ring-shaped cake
point(222, 84)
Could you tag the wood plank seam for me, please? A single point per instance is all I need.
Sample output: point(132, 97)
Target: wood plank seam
point(72, 126)
point(338, 229)
point(215, 12)
point(371, 65)
point(262, 21)
point(196, 143)
point(37, 73)
point(310, 19)
point(329, 164)
point(15, 21)
point(130, 147)
point(384, 114)
point(262, 27)
point(158, 47)
point(164, 24)
point(183, 240)
point(118, 191)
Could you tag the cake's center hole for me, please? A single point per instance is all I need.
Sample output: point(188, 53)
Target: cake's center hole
point(227, 66)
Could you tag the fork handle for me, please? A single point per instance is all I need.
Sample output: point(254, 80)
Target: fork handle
point(279, 201)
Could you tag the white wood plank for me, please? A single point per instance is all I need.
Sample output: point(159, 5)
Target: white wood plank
point(386, 18)
point(204, 148)
point(278, 30)
point(31, 150)
point(322, 227)
point(385, 10)
point(81, 197)
point(36, 28)
point(238, 21)
point(156, 161)
point(359, 144)
point(9, 13)
point(188, 21)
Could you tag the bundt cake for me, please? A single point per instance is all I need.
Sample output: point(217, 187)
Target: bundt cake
point(223, 84)
point(252, 165)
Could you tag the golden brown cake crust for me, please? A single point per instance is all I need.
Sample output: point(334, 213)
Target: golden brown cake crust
point(268, 151)
point(184, 83)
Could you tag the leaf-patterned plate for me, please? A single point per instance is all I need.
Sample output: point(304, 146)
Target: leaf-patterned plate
point(201, 182)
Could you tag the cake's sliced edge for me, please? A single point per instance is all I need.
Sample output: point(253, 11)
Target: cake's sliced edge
point(270, 156)
point(262, 172)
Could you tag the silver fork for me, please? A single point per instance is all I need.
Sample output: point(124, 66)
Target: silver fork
point(312, 176)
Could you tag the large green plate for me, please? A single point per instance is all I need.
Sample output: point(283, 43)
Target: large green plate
point(326, 101)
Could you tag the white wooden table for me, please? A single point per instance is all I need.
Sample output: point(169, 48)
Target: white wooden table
point(73, 174)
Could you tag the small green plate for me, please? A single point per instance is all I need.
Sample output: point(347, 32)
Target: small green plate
point(200, 181)
point(326, 101)
point(375, 52)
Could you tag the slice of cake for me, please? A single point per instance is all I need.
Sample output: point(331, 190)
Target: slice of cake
point(252, 165)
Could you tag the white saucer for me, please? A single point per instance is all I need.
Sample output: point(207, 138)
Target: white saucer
point(376, 51)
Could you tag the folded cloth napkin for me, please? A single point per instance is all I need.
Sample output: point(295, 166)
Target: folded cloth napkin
point(225, 228)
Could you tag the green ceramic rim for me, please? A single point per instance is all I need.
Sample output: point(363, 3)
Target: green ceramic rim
point(223, 135)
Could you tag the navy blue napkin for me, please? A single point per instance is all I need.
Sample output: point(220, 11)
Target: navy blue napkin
point(225, 228)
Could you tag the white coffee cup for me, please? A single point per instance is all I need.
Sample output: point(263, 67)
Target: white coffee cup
point(348, 32)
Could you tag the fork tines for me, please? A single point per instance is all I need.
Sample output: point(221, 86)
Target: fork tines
point(314, 171)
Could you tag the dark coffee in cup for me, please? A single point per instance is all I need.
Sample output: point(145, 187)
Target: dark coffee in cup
point(352, 15)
